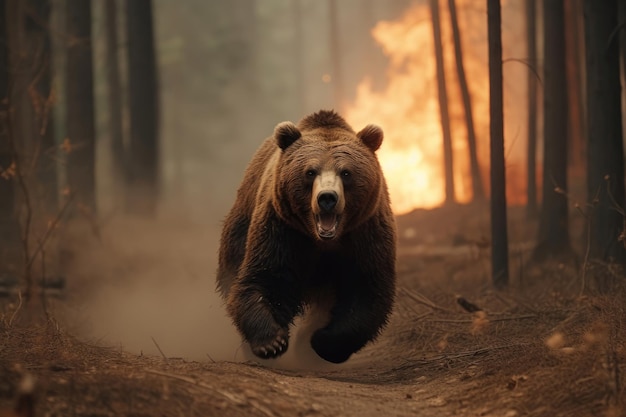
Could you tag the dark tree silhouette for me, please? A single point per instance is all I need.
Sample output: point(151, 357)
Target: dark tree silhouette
point(574, 49)
point(114, 88)
point(553, 239)
point(36, 26)
point(605, 169)
point(499, 235)
point(9, 224)
point(478, 191)
point(80, 103)
point(443, 103)
point(621, 5)
point(531, 40)
point(142, 187)
point(31, 99)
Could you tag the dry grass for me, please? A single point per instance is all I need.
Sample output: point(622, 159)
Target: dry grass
point(540, 349)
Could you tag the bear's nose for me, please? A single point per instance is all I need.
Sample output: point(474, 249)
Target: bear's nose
point(327, 200)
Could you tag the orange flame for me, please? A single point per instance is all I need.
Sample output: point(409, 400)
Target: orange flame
point(408, 109)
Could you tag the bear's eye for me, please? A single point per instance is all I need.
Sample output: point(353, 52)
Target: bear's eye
point(311, 173)
point(346, 174)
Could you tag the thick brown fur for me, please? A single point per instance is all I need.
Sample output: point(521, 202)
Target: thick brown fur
point(276, 255)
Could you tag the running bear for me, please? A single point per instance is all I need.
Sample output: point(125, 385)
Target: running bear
point(311, 224)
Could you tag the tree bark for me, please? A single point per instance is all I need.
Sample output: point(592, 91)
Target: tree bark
point(605, 174)
point(80, 104)
point(499, 235)
point(114, 88)
point(478, 191)
point(553, 238)
point(576, 121)
point(10, 251)
point(448, 161)
point(142, 186)
point(531, 40)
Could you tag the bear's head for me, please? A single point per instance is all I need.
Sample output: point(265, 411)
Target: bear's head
point(328, 179)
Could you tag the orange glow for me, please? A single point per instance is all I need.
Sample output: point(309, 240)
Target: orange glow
point(408, 108)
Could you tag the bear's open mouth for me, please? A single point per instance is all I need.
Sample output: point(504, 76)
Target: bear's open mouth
point(327, 225)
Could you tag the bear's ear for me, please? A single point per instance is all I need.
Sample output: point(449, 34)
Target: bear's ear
point(285, 134)
point(371, 136)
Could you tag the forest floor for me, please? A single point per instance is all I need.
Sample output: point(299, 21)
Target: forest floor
point(542, 347)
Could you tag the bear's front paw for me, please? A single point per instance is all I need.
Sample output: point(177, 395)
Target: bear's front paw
point(271, 348)
point(331, 348)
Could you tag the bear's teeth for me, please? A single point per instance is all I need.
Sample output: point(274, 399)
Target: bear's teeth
point(327, 225)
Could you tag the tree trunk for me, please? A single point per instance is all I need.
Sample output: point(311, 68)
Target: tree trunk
point(41, 99)
point(576, 121)
point(553, 240)
point(31, 101)
point(531, 40)
point(114, 93)
point(478, 191)
point(10, 248)
point(499, 238)
point(335, 54)
point(448, 162)
point(621, 5)
point(605, 174)
point(80, 104)
point(142, 187)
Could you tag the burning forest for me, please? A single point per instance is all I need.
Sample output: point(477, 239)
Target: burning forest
point(193, 218)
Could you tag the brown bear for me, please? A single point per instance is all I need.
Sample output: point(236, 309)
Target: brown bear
point(311, 223)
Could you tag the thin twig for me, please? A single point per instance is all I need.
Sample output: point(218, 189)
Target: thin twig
point(481, 351)
point(520, 317)
point(530, 67)
point(234, 398)
point(44, 303)
point(26, 195)
point(209, 356)
point(460, 355)
point(616, 205)
point(158, 347)
point(50, 229)
point(588, 218)
point(421, 299)
point(17, 309)
point(583, 275)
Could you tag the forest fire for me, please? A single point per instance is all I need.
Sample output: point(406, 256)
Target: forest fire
point(408, 108)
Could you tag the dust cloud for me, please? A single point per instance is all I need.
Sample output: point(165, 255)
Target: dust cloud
point(148, 283)
point(148, 287)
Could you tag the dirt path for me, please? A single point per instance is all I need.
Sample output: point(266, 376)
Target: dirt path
point(539, 349)
point(434, 360)
point(76, 379)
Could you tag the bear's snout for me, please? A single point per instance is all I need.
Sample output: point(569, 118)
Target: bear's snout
point(327, 200)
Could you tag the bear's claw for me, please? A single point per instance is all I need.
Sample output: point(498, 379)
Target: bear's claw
point(271, 349)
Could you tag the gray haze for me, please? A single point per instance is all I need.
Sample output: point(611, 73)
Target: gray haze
point(226, 80)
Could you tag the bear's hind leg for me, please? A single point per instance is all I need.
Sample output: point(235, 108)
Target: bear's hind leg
point(232, 250)
point(356, 319)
